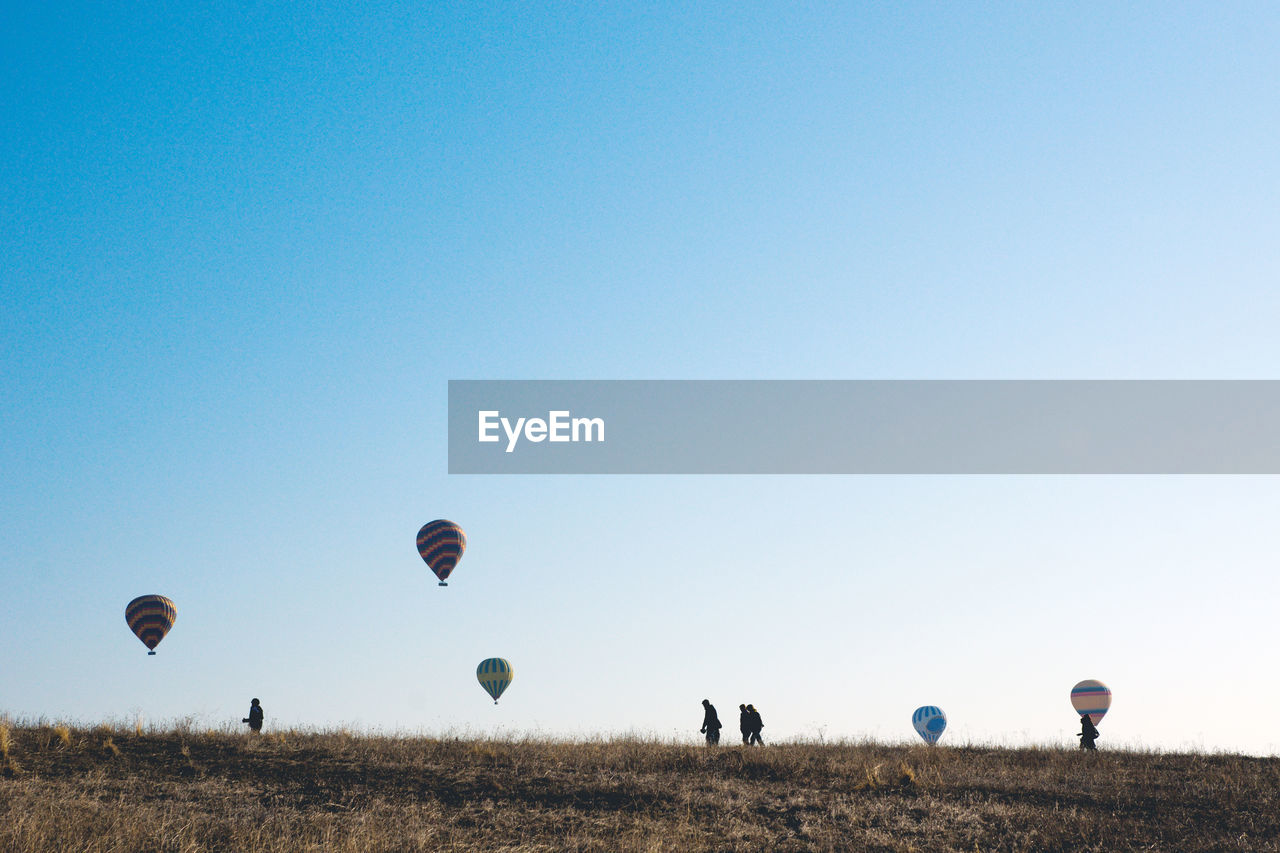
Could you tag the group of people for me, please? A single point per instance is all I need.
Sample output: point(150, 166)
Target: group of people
point(749, 722)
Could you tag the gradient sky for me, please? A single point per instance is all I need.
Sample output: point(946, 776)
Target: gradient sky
point(244, 248)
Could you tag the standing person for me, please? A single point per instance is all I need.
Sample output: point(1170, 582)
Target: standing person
point(255, 716)
point(710, 723)
point(756, 725)
point(1088, 732)
point(744, 723)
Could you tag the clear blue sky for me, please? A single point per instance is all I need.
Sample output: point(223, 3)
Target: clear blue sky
point(244, 249)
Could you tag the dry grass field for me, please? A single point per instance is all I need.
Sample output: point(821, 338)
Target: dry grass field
point(130, 791)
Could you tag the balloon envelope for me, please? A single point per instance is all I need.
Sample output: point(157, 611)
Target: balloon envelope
point(494, 674)
point(930, 722)
point(150, 617)
point(1091, 697)
point(441, 543)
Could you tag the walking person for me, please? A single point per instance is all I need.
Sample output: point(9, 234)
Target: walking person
point(255, 716)
point(710, 723)
point(744, 723)
point(1088, 732)
point(756, 725)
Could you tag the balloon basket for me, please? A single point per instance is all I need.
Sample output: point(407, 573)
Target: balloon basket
point(151, 653)
point(442, 583)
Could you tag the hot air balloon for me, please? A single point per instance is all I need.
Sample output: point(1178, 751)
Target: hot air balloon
point(1091, 697)
point(494, 675)
point(150, 617)
point(441, 544)
point(930, 722)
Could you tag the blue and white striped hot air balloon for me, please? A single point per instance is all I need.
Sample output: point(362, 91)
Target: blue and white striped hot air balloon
point(494, 674)
point(930, 722)
point(1091, 697)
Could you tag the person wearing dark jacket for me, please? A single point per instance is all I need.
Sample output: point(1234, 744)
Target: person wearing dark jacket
point(744, 723)
point(710, 723)
point(1088, 732)
point(255, 716)
point(756, 725)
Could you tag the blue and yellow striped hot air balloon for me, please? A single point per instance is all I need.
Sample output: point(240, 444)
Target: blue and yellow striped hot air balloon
point(441, 543)
point(1091, 697)
point(150, 617)
point(494, 674)
point(929, 722)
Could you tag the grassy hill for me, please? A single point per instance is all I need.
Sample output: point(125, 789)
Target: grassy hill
point(116, 789)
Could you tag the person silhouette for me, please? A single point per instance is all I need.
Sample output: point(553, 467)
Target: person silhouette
point(710, 723)
point(1088, 732)
point(255, 716)
point(756, 725)
point(744, 723)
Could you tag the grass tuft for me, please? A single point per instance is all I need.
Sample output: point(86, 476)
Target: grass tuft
point(11, 767)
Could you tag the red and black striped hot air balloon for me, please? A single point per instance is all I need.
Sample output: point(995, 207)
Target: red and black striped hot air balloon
point(441, 544)
point(150, 617)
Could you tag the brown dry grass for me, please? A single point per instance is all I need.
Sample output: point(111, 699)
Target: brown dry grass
point(116, 789)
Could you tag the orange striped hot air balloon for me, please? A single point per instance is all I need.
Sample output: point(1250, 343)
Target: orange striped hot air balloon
point(150, 617)
point(440, 544)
